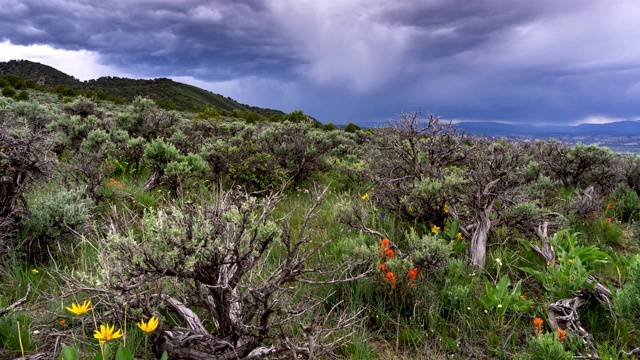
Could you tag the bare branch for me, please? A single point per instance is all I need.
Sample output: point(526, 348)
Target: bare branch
point(17, 302)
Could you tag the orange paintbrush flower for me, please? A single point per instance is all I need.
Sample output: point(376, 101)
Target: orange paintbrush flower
point(537, 325)
point(391, 278)
point(413, 274)
point(562, 334)
point(389, 253)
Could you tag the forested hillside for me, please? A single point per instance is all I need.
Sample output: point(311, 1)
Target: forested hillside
point(150, 232)
point(166, 92)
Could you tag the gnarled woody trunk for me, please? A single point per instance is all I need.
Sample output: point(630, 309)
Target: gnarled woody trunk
point(478, 248)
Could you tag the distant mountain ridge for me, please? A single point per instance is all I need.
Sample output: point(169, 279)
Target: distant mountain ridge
point(619, 128)
point(183, 96)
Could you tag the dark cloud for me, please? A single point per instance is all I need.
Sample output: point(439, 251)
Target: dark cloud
point(365, 60)
point(218, 39)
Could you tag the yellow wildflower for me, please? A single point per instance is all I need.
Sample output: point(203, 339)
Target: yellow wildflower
point(459, 236)
point(365, 196)
point(523, 298)
point(150, 326)
point(445, 208)
point(80, 309)
point(34, 271)
point(570, 261)
point(435, 229)
point(106, 333)
point(559, 259)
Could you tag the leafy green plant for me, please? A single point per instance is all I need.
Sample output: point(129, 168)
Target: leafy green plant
point(568, 272)
point(545, 347)
point(500, 298)
point(609, 352)
point(14, 332)
point(257, 172)
point(626, 203)
point(8, 91)
point(23, 95)
point(69, 353)
point(627, 300)
point(54, 216)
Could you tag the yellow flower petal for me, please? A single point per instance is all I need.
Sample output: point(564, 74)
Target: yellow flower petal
point(106, 333)
point(80, 309)
point(150, 326)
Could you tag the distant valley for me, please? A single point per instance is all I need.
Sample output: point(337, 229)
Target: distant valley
point(621, 136)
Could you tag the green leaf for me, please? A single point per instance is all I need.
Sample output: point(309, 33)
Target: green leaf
point(123, 354)
point(107, 353)
point(68, 353)
point(502, 288)
point(164, 356)
point(539, 275)
point(488, 302)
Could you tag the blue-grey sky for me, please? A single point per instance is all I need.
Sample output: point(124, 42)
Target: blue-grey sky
point(362, 61)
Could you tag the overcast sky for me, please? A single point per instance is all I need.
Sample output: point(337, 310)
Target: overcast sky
point(362, 61)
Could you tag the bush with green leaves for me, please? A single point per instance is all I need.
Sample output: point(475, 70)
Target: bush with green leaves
point(458, 285)
point(71, 130)
point(170, 168)
point(143, 118)
point(54, 216)
point(8, 91)
point(627, 300)
point(257, 172)
point(545, 347)
point(626, 203)
point(570, 271)
point(34, 116)
point(82, 106)
point(245, 270)
point(580, 165)
point(23, 95)
point(298, 148)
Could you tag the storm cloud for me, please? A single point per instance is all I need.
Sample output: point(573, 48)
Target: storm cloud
point(361, 60)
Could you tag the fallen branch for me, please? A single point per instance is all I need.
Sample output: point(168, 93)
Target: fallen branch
point(17, 303)
point(563, 314)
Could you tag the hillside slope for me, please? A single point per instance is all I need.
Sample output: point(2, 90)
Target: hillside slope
point(182, 96)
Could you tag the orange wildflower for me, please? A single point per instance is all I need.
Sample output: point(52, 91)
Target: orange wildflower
point(385, 243)
point(608, 220)
point(609, 206)
point(389, 253)
point(62, 321)
point(391, 278)
point(413, 274)
point(383, 268)
point(537, 325)
point(562, 334)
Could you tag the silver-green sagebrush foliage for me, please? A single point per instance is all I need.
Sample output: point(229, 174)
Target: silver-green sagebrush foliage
point(247, 271)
